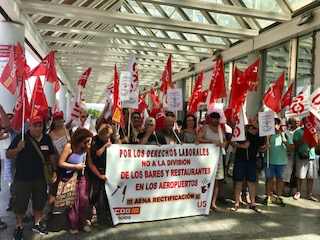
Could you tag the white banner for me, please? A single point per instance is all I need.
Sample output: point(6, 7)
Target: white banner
point(266, 123)
point(238, 133)
point(174, 99)
point(143, 180)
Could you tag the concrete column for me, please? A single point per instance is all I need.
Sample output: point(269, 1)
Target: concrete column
point(316, 64)
point(254, 99)
point(11, 33)
point(63, 99)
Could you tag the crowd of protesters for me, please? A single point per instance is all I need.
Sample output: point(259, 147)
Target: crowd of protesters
point(48, 158)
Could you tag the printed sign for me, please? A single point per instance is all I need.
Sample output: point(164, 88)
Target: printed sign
point(174, 99)
point(124, 85)
point(238, 133)
point(266, 123)
point(143, 179)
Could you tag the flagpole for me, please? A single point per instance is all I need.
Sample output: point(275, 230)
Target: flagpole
point(129, 123)
point(23, 109)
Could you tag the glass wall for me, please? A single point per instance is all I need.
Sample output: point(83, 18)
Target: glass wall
point(277, 62)
point(304, 76)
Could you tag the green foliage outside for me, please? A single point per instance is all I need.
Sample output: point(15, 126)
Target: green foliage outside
point(94, 113)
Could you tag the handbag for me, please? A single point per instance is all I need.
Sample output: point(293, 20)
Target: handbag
point(66, 192)
point(47, 171)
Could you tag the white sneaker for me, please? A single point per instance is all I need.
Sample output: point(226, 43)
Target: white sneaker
point(87, 229)
point(74, 231)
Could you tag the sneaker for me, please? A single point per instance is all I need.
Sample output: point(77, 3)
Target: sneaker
point(280, 202)
point(40, 228)
point(87, 229)
point(268, 201)
point(296, 196)
point(18, 234)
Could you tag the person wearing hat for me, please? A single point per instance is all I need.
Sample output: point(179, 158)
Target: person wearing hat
point(210, 134)
point(150, 136)
point(33, 157)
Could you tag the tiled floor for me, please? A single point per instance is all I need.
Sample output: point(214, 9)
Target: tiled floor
point(298, 220)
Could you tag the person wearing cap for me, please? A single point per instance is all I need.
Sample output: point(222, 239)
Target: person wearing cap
point(278, 145)
point(210, 134)
point(150, 136)
point(33, 157)
point(60, 137)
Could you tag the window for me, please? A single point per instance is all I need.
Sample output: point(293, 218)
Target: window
point(304, 76)
point(277, 62)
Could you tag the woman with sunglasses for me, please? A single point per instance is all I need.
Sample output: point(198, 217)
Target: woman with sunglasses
point(210, 134)
point(73, 159)
point(245, 165)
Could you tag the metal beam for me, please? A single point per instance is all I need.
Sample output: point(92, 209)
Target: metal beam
point(85, 53)
point(120, 46)
point(70, 12)
point(285, 7)
point(49, 27)
point(224, 9)
point(95, 60)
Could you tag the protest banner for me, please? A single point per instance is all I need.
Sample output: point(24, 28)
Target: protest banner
point(266, 123)
point(174, 99)
point(143, 179)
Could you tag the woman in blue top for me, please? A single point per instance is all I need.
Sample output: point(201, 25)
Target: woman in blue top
point(73, 158)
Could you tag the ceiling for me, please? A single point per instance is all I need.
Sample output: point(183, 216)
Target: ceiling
point(101, 33)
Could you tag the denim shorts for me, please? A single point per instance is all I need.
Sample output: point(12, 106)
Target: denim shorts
point(274, 171)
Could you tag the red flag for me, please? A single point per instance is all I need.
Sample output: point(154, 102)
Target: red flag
point(239, 89)
point(196, 95)
point(272, 98)
point(56, 86)
point(251, 75)
point(154, 98)
point(116, 110)
point(217, 84)
point(142, 104)
point(8, 76)
point(22, 68)
point(310, 132)
point(39, 105)
point(84, 78)
point(204, 95)
point(47, 68)
point(287, 97)
point(166, 77)
point(159, 116)
point(18, 109)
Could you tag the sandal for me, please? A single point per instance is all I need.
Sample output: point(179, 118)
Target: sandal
point(235, 208)
point(254, 208)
